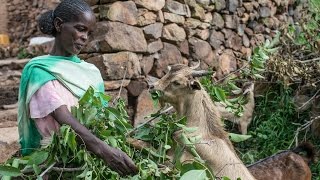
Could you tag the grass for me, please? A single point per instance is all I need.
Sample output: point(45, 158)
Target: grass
point(274, 126)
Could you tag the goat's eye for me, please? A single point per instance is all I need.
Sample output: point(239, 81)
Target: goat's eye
point(176, 83)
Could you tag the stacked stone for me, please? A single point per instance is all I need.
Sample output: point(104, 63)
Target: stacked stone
point(138, 38)
point(22, 18)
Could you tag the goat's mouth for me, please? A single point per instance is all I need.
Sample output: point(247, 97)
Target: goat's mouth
point(156, 94)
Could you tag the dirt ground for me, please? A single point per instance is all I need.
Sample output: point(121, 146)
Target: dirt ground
point(8, 134)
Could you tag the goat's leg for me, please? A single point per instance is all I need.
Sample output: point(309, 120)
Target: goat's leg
point(243, 125)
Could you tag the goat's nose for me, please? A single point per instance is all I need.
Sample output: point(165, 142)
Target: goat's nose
point(151, 86)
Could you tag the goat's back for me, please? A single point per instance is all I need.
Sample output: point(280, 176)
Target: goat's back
point(286, 165)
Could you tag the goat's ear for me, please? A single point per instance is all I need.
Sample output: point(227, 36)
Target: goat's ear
point(195, 85)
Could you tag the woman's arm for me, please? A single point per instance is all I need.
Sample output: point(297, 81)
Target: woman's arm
point(116, 159)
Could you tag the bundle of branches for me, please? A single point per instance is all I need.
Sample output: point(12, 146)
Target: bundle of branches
point(65, 157)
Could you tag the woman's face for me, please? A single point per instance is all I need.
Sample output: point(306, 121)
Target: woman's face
point(73, 35)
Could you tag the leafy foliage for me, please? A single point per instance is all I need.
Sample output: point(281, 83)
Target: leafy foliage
point(111, 125)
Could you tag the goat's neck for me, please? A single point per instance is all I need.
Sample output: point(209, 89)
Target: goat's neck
point(200, 112)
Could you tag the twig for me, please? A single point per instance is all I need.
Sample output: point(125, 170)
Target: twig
point(301, 128)
point(57, 169)
point(48, 169)
point(304, 104)
point(310, 60)
point(121, 86)
point(150, 120)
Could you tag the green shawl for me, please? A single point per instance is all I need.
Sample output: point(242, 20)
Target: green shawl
point(75, 74)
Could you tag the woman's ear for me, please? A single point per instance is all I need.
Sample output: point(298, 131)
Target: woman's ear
point(57, 24)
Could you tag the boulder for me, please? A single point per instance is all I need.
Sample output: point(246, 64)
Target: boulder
point(153, 5)
point(144, 107)
point(177, 8)
point(116, 36)
point(115, 66)
point(168, 55)
point(173, 32)
point(146, 17)
point(153, 31)
point(201, 51)
point(113, 85)
point(218, 20)
point(125, 12)
point(216, 39)
point(155, 46)
point(173, 18)
point(135, 87)
point(146, 63)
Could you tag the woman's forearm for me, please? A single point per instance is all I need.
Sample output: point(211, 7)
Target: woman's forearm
point(63, 116)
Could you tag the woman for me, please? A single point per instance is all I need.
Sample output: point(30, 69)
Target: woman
point(51, 84)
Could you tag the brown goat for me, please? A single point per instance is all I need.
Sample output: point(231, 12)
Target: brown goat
point(189, 99)
point(186, 95)
point(286, 165)
point(244, 120)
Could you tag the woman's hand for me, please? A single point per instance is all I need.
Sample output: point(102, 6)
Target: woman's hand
point(114, 158)
point(117, 160)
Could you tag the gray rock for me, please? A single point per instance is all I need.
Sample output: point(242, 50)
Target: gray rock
point(125, 12)
point(144, 107)
point(168, 55)
point(203, 34)
point(114, 66)
point(196, 10)
point(192, 23)
point(154, 5)
point(135, 87)
point(233, 41)
point(146, 17)
point(115, 93)
point(231, 21)
point(208, 18)
point(216, 39)
point(184, 47)
point(115, 36)
point(155, 46)
point(233, 5)
point(113, 85)
point(173, 32)
point(146, 64)
point(220, 4)
point(174, 18)
point(265, 11)
point(201, 51)
point(153, 31)
point(177, 8)
point(245, 40)
point(218, 20)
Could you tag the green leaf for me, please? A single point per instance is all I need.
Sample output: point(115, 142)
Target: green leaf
point(258, 76)
point(38, 157)
point(238, 137)
point(9, 171)
point(194, 175)
point(220, 94)
point(189, 129)
point(36, 169)
point(87, 96)
point(167, 146)
point(88, 175)
point(225, 178)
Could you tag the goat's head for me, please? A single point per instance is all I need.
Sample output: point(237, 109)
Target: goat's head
point(177, 83)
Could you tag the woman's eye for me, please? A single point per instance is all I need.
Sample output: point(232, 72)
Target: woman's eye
point(81, 29)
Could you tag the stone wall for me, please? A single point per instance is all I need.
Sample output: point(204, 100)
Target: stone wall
point(3, 17)
point(136, 40)
point(22, 18)
point(139, 38)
